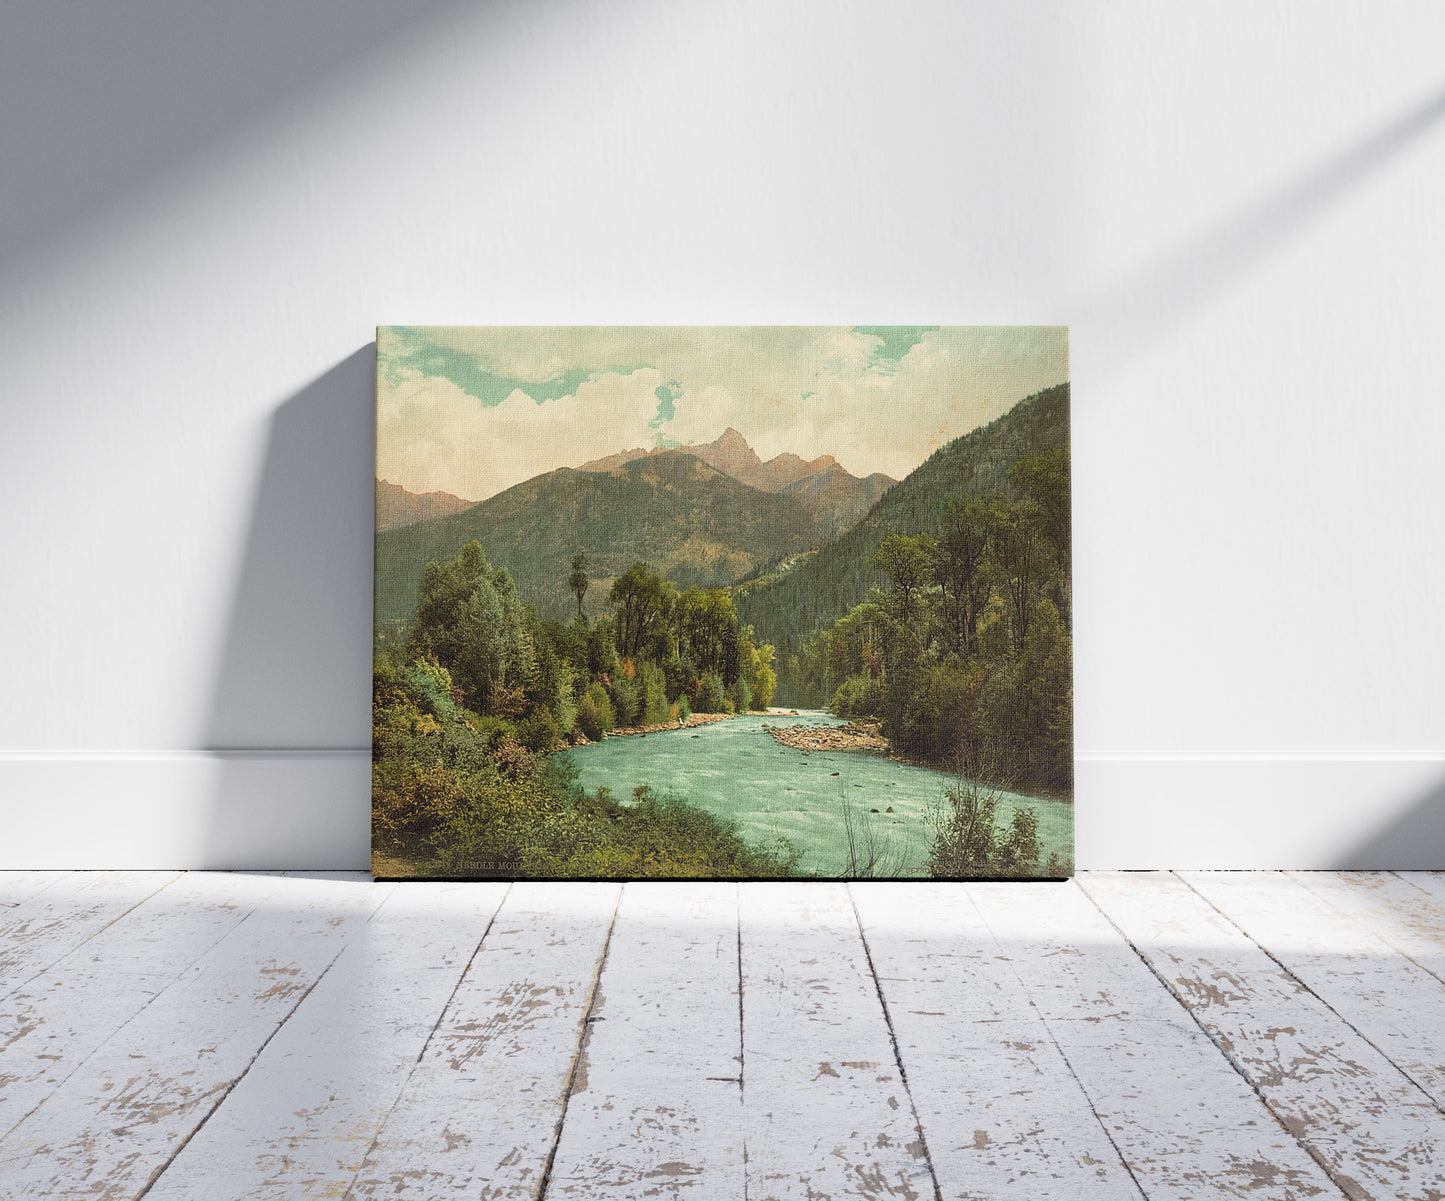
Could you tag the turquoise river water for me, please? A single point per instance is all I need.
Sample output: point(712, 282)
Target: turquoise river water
point(734, 770)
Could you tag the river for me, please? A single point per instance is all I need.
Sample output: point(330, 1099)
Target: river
point(734, 770)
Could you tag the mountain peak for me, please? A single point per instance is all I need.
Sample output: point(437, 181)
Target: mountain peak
point(730, 454)
point(822, 484)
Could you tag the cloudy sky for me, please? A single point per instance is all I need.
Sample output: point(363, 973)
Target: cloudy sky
point(473, 410)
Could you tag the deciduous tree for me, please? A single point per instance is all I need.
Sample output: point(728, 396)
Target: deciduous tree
point(643, 600)
point(968, 527)
point(908, 560)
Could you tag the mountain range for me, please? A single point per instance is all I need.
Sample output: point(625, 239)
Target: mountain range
point(708, 515)
point(821, 485)
point(691, 521)
point(395, 506)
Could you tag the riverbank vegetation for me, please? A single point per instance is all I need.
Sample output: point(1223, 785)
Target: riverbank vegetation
point(965, 657)
point(971, 839)
point(474, 704)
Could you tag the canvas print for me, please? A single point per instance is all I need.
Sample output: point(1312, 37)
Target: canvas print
point(727, 603)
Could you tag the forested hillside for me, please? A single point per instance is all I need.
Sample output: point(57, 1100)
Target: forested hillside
point(788, 607)
point(692, 522)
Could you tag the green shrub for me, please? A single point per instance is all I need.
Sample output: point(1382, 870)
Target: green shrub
point(540, 732)
point(857, 696)
point(740, 695)
point(564, 706)
point(488, 727)
point(595, 715)
point(968, 840)
point(431, 684)
point(626, 700)
point(653, 836)
point(411, 803)
point(710, 698)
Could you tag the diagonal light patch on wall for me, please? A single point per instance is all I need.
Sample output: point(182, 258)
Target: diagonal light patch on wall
point(99, 103)
point(1147, 304)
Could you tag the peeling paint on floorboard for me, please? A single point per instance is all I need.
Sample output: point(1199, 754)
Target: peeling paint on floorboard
point(657, 1108)
point(123, 1115)
point(1365, 1121)
point(1273, 1036)
point(1186, 1123)
point(1003, 1116)
point(826, 1113)
point(479, 1115)
point(301, 1122)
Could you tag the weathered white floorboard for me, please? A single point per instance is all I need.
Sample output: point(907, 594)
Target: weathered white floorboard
point(1391, 1001)
point(1377, 1133)
point(1402, 908)
point(656, 1107)
point(17, 886)
point(229, 1036)
point(1430, 883)
point(124, 1113)
point(1001, 1113)
point(51, 1024)
point(300, 1122)
point(1186, 1124)
point(826, 1111)
point(49, 924)
point(479, 1116)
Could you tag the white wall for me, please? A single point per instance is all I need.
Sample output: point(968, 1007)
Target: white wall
point(206, 207)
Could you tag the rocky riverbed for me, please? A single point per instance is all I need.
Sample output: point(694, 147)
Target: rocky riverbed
point(697, 719)
point(855, 736)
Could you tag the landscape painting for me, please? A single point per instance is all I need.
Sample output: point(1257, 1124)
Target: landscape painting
point(723, 603)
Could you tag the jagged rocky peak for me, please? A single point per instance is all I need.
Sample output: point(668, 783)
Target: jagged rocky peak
point(732, 454)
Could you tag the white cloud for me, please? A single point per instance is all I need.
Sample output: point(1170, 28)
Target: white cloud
point(433, 437)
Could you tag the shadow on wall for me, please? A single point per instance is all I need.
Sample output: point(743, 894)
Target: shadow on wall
point(290, 716)
point(1413, 841)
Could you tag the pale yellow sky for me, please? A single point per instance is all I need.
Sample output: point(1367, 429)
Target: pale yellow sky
point(474, 410)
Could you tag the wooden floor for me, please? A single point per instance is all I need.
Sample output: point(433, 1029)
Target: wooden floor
point(1189, 1035)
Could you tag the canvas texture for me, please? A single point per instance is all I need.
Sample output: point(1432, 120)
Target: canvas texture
point(723, 603)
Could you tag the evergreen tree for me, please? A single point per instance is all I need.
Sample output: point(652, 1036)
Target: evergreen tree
point(578, 581)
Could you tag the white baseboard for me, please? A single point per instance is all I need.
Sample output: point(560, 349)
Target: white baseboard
point(1260, 810)
point(185, 809)
point(309, 809)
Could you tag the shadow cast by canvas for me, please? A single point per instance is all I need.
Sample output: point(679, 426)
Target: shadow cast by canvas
point(289, 718)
